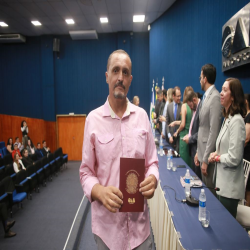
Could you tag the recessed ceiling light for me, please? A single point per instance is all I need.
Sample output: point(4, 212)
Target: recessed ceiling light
point(70, 21)
point(104, 20)
point(3, 24)
point(138, 18)
point(36, 23)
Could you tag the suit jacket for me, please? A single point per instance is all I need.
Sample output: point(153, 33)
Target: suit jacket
point(209, 125)
point(39, 154)
point(45, 152)
point(170, 118)
point(230, 147)
point(194, 132)
point(162, 105)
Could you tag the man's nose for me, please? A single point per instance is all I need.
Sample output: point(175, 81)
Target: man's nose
point(120, 76)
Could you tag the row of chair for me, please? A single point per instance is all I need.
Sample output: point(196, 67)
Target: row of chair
point(15, 187)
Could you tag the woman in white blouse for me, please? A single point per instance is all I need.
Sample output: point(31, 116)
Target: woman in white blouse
point(17, 163)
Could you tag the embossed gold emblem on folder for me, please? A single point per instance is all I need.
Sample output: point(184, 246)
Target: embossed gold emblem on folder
point(132, 173)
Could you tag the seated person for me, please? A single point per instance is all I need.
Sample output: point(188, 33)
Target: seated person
point(7, 225)
point(27, 161)
point(17, 163)
point(45, 149)
point(30, 147)
point(9, 146)
point(20, 145)
point(39, 152)
point(16, 150)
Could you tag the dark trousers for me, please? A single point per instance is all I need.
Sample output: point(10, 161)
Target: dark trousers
point(3, 213)
point(230, 204)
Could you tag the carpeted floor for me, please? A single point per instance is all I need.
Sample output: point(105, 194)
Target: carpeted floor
point(45, 221)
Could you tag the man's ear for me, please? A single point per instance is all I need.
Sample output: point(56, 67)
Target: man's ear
point(106, 74)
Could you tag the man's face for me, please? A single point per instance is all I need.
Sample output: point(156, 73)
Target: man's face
point(160, 97)
point(44, 144)
point(202, 81)
point(17, 140)
point(177, 96)
point(26, 153)
point(15, 147)
point(192, 105)
point(119, 75)
point(38, 146)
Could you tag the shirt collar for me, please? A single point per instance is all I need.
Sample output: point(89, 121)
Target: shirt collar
point(108, 111)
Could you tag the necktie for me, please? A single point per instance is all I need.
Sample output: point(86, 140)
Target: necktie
point(41, 152)
point(175, 110)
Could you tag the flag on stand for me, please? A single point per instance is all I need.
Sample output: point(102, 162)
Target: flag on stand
point(152, 105)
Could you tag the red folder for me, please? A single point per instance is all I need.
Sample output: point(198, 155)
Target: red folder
point(132, 173)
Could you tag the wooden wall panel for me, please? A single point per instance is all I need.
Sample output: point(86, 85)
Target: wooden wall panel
point(39, 130)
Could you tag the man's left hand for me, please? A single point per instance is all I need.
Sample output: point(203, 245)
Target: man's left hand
point(148, 186)
point(204, 168)
point(186, 138)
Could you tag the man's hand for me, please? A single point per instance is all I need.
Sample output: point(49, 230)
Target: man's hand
point(157, 125)
point(162, 118)
point(172, 124)
point(186, 138)
point(148, 186)
point(204, 168)
point(162, 135)
point(154, 121)
point(111, 197)
point(196, 161)
point(212, 156)
point(175, 134)
point(171, 140)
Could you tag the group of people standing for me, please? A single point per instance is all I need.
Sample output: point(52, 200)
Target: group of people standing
point(212, 147)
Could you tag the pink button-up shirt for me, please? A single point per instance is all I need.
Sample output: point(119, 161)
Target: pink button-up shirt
point(107, 138)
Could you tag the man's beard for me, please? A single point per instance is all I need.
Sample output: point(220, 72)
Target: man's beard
point(119, 95)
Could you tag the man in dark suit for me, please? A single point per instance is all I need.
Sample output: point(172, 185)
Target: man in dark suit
point(174, 114)
point(159, 110)
point(191, 138)
point(45, 149)
point(39, 152)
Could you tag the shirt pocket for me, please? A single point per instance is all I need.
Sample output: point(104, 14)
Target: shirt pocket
point(140, 138)
point(104, 148)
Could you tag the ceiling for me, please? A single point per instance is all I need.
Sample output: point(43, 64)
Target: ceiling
point(18, 14)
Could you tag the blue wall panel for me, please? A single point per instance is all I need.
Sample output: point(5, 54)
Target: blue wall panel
point(21, 79)
point(188, 36)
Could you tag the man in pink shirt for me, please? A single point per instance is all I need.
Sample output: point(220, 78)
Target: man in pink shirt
point(117, 129)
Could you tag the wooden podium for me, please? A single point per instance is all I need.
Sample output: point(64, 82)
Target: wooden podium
point(70, 131)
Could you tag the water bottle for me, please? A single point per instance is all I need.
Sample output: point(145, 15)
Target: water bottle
point(169, 159)
point(161, 147)
point(187, 183)
point(202, 205)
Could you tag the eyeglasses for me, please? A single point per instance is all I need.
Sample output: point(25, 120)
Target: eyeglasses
point(200, 77)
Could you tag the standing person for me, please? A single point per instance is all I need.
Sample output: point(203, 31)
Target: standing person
point(174, 114)
point(209, 123)
point(230, 146)
point(186, 116)
point(25, 131)
point(136, 101)
point(191, 138)
point(125, 132)
point(168, 99)
point(246, 155)
point(160, 97)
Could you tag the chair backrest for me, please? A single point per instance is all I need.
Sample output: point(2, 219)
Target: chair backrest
point(60, 151)
point(30, 170)
point(246, 166)
point(7, 159)
point(5, 151)
point(1, 162)
point(2, 172)
point(20, 176)
point(2, 144)
point(8, 184)
point(9, 170)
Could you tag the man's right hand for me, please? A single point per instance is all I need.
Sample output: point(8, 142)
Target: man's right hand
point(111, 197)
point(171, 140)
point(196, 161)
